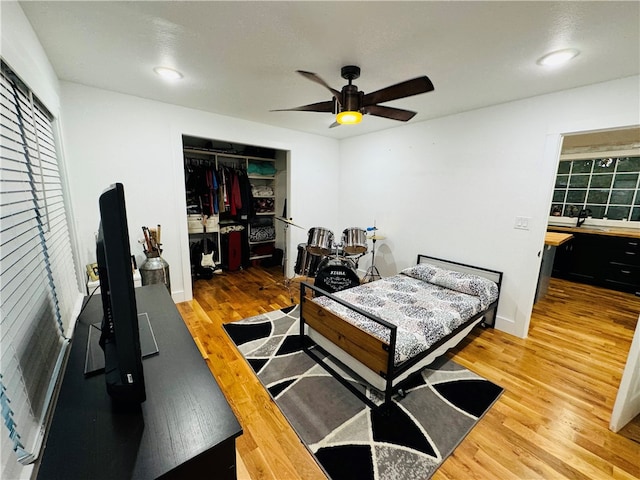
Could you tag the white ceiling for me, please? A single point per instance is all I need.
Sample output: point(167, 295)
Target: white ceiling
point(239, 58)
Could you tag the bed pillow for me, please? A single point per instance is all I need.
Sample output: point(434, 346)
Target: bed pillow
point(483, 288)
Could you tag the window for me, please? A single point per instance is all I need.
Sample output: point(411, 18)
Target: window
point(608, 186)
point(38, 286)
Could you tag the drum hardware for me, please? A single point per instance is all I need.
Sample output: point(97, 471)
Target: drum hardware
point(288, 221)
point(287, 281)
point(340, 252)
point(372, 272)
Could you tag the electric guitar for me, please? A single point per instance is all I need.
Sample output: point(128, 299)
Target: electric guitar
point(207, 257)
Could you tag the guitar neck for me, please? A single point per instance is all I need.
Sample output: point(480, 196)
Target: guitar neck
point(205, 250)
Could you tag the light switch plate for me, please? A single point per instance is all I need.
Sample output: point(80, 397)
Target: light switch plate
point(522, 223)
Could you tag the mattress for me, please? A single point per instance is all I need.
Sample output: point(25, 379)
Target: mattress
point(425, 302)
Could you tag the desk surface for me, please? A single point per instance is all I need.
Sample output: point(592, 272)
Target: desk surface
point(555, 239)
point(185, 413)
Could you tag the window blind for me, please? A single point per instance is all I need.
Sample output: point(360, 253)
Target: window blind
point(38, 286)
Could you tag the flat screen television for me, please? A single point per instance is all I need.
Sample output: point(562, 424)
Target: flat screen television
point(119, 336)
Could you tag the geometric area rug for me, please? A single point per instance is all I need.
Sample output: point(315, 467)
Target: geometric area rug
point(350, 440)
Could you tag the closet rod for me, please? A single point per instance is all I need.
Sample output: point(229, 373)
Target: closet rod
point(198, 162)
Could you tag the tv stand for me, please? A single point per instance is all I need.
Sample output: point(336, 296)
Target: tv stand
point(185, 428)
point(94, 361)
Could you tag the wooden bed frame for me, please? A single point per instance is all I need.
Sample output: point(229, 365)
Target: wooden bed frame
point(368, 356)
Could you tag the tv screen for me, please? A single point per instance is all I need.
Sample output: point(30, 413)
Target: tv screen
point(119, 337)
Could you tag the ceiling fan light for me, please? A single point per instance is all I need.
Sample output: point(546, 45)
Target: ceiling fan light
point(349, 117)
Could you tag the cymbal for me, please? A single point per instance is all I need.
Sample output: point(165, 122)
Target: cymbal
point(286, 220)
point(376, 237)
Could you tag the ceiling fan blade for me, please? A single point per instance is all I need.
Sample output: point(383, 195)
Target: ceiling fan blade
point(315, 78)
point(399, 90)
point(334, 124)
point(389, 112)
point(327, 106)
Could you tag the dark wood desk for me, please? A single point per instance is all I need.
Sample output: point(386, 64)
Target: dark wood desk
point(185, 429)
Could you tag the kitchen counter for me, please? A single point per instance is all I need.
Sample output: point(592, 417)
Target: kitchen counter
point(601, 256)
point(610, 231)
point(552, 240)
point(555, 239)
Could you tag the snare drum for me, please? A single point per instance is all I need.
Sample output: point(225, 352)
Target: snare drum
point(354, 241)
point(306, 263)
point(320, 241)
point(336, 273)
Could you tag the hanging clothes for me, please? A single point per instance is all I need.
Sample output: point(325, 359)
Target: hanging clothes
point(246, 194)
point(199, 184)
point(211, 192)
point(223, 197)
point(235, 201)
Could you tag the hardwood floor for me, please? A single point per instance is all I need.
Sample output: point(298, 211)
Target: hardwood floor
point(551, 422)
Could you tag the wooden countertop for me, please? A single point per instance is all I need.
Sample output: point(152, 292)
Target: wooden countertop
point(555, 239)
point(611, 231)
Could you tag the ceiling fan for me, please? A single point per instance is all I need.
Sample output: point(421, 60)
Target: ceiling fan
point(350, 104)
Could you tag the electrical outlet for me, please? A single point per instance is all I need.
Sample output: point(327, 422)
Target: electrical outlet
point(522, 223)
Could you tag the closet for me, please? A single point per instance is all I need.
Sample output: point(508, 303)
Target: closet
point(233, 194)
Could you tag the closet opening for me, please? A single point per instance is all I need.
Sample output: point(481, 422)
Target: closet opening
point(234, 192)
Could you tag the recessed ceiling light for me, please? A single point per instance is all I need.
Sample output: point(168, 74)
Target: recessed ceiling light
point(168, 73)
point(558, 57)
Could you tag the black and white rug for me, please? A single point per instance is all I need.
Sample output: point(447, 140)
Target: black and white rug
point(350, 440)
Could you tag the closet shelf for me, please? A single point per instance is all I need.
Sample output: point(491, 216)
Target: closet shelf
point(261, 177)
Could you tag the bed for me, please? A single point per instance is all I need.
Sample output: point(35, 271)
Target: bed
point(388, 329)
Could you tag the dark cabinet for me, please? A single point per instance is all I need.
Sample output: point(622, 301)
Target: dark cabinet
point(622, 270)
point(586, 258)
point(579, 259)
point(185, 428)
point(602, 260)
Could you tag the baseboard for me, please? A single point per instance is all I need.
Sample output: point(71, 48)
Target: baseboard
point(178, 296)
point(507, 325)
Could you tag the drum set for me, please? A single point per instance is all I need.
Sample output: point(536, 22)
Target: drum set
point(322, 257)
point(333, 264)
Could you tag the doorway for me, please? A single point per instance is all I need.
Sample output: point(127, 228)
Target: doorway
point(233, 192)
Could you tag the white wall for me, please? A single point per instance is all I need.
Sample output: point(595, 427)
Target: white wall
point(110, 137)
point(22, 51)
point(452, 187)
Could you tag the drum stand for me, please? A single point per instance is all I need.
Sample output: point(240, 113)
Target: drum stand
point(372, 272)
point(286, 283)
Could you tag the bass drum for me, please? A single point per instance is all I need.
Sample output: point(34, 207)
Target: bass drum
point(319, 241)
point(354, 241)
point(335, 274)
point(306, 263)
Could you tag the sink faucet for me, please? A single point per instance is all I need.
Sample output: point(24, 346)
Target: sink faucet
point(582, 216)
